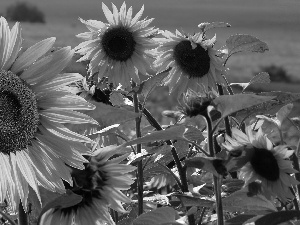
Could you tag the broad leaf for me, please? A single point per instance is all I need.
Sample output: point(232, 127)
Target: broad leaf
point(240, 201)
point(189, 200)
point(207, 26)
point(107, 115)
point(274, 218)
point(228, 104)
point(280, 99)
point(262, 77)
point(212, 165)
point(64, 201)
point(238, 220)
point(174, 132)
point(283, 113)
point(160, 216)
point(146, 87)
point(245, 43)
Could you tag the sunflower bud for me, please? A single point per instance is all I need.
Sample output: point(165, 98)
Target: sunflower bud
point(195, 104)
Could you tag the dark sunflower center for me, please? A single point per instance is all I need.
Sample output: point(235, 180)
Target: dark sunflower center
point(265, 164)
point(194, 62)
point(88, 182)
point(19, 117)
point(118, 43)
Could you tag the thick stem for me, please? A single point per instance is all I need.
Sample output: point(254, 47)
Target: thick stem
point(23, 217)
point(138, 150)
point(297, 175)
point(217, 181)
point(180, 168)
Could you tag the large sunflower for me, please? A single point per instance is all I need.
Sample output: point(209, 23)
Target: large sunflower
point(35, 146)
point(267, 163)
point(120, 48)
point(193, 61)
point(100, 186)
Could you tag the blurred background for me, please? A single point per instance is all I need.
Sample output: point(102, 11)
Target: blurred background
point(276, 22)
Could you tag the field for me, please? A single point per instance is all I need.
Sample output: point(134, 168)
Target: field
point(275, 22)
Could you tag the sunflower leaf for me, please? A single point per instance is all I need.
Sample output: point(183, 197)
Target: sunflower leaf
point(241, 201)
point(107, 115)
point(245, 43)
point(174, 132)
point(262, 77)
point(160, 216)
point(228, 104)
point(190, 200)
point(238, 220)
point(212, 165)
point(284, 112)
point(64, 201)
point(207, 26)
point(275, 217)
point(147, 86)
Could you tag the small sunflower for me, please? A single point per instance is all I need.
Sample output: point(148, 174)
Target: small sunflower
point(193, 61)
point(35, 146)
point(120, 48)
point(100, 186)
point(267, 163)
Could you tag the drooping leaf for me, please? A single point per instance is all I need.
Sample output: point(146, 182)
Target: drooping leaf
point(146, 87)
point(117, 99)
point(64, 201)
point(174, 132)
point(275, 218)
point(208, 164)
point(190, 200)
point(158, 199)
point(228, 104)
point(207, 26)
point(107, 115)
point(240, 201)
point(238, 220)
point(245, 43)
point(232, 185)
point(193, 134)
point(283, 113)
point(160, 216)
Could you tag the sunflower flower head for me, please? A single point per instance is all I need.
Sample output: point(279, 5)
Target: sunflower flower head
point(99, 185)
point(35, 146)
point(119, 49)
point(193, 61)
point(267, 164)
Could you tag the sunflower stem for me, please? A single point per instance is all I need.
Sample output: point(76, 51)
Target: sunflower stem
point(23, 217)
point(181, 169)
point(297, 175)
point(217, 181)
point(138, 150)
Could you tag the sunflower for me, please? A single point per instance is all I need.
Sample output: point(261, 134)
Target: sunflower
point(193, 61)
point(35, 146)
point(119, 49)
point(100, 186)
point(267, 164)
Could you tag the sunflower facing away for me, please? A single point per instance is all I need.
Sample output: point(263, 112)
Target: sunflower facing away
point(100, 186)
point(120, 48)
point(35, 146)
point(193, 61)
point(267, 163)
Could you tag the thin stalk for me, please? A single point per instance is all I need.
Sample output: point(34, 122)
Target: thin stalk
point(7, 218)
point(138, 150)
point(217, 182)
point(181, 169)
point(23, 217)
point(201, 215)
point(297, 175)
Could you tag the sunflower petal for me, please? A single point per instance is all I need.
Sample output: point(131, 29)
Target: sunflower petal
point(32, 54)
